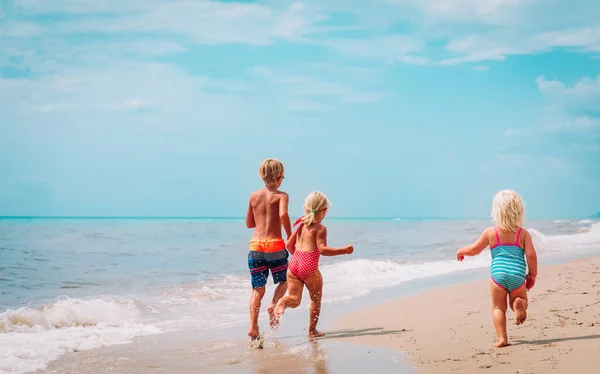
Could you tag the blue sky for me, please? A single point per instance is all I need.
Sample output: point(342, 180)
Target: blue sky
point(400, 108)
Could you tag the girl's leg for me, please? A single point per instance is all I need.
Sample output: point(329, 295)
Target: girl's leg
point(499, 306)
point(294, 296)
point(518, 303)
point(314, 283)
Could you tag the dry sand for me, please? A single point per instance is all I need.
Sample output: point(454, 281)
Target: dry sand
point(450, 328)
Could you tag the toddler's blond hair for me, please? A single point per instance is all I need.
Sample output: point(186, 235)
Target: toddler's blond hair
point(315, 202)
point(269, 170)
point(508, 210)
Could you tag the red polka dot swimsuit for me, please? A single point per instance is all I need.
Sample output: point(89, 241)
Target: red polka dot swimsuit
point(303, 264)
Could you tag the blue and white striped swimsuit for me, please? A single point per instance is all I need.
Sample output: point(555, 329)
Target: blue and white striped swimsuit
point(508, 264)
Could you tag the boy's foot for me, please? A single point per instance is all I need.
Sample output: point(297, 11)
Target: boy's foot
point(315, 334)
point(501, 343)
point(520, 311)
point(253, 333)
point(258, 342)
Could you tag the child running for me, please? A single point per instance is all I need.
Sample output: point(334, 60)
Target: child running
point(267, 213)
point(307, 244)
point(510, 244)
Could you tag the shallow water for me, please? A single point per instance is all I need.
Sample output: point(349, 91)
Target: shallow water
point(76, 284)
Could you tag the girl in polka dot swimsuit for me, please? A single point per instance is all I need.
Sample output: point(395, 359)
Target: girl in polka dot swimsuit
point(307, 244)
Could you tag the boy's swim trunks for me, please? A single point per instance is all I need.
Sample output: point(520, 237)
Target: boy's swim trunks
point(265, 255)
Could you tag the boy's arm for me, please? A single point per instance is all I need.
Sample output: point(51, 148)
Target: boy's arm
point(329, 251)
point(284, 216)
point(532, 264)
point(291, 243)
point(475, 248)
point(250, 223)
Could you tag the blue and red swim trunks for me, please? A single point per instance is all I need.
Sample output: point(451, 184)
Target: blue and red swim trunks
point(265, 255)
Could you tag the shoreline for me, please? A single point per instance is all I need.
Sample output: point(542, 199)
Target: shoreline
point(227, 349)
point(450, 327)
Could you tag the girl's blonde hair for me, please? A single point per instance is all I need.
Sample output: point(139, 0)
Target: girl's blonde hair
point(508, 210)
point(315, 202)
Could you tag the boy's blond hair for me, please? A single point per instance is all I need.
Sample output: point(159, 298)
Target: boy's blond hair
point(508, 210)
point(269, 170)
point(315, 202)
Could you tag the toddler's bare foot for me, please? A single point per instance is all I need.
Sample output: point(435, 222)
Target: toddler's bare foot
point(501, 343)
point(253, 332)
point(274, 320)
point(520, 311)
point(315, 334)
point(279, 310)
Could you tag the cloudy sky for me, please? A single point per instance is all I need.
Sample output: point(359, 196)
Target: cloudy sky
point(394, 108)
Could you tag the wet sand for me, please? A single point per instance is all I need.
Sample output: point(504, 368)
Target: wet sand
point(191, 352)
point(450, 328)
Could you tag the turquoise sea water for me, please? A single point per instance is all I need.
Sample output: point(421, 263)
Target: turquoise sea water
point(82, 283)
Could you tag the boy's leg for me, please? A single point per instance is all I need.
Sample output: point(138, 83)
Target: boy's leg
point(499, 306)
point(258, 274)
point(255, 302)
point(518, 303)
point(314, 283)
point(278, 265)
point(294, 296)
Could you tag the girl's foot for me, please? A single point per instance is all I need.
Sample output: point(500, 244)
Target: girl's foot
point(278, 311)
point(501, 343)
point(520, 311)
point(274, 320)
point(315, 334)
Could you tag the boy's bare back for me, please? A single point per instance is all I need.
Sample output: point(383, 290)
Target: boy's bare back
point(268, 208)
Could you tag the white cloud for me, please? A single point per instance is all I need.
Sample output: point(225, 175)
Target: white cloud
point(581, 99)
point(490, 11)
point(202, 21)
point(305, 91)
point(392, 48)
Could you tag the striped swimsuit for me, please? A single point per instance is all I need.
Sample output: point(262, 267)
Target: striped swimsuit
point(508, 264)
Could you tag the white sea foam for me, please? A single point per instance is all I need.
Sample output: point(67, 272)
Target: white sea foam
point(32, 337)
point(586, 239)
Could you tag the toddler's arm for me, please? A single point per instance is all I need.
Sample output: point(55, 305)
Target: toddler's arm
point(532, 264)
point(250, 216)
point(475, 248)
point(329, 251)
point(284, 216)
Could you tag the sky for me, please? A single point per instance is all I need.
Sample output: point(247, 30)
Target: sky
point(393, 108)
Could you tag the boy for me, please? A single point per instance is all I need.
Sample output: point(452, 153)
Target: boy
point(267, 212)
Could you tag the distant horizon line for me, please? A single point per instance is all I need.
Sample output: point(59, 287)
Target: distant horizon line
point(17, 217)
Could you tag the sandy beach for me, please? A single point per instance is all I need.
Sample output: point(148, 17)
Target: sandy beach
point(450, 328)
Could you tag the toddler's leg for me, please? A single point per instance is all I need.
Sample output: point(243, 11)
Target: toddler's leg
point(518, 303)
point(279, 292)
point(294, 296)
point(314, 283)
point(499, 306)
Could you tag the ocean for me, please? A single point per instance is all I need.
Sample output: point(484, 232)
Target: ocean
point(78, 284)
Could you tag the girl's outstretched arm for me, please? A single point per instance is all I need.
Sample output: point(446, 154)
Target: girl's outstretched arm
point(532, 263)
point(475, 248)
point(329, 251)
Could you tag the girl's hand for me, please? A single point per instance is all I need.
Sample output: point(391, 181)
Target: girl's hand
point(349, 249)
point(529, 281)
point(459, 256)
